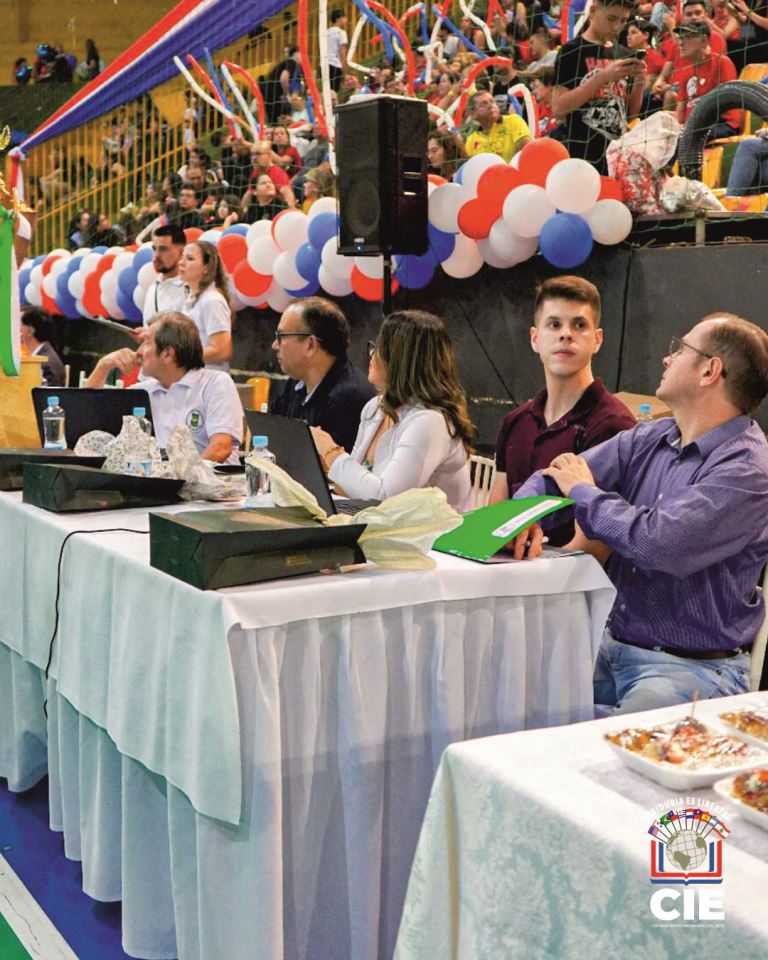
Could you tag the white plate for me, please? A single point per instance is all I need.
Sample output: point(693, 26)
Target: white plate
point(724, 787)
point(677, 777)
point(741, 734)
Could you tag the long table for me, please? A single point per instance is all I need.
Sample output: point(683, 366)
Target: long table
point(247, 769)
point(535, 845)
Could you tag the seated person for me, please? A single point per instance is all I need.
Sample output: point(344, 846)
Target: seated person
point(180, 389)
point(34, 332)
point(323, 388)
point(749, 171)
point(700, 71)
point(574, 411)
point(677, 506)
point(504, 136)
point(416, 432)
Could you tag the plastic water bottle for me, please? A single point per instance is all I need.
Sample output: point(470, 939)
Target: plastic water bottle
point(257, 484)
point(141, 415)
point(53, 426)
point(644, 416)
point(141, 465)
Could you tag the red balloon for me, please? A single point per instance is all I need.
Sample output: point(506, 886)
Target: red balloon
point(192, 233)
point(367, 288)
point(92, 295)
point(49, 262)
point(476, 218)
point(497, 180)
point(538, 157)
point(105, 264)
point(131, 248)
point(436, 179)
point(232, 250)
point(49, 303)
point(248, 282)
point(610, 189)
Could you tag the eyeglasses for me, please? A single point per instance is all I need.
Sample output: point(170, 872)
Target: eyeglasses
point(676, 345)
point(280, 336)
point(371, 348)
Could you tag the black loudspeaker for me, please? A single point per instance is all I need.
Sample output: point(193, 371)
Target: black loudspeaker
point(381, 157)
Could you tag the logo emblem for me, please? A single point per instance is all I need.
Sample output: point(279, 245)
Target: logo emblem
point(195, 420)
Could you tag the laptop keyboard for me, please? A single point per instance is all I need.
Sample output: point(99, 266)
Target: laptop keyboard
point(351, 507)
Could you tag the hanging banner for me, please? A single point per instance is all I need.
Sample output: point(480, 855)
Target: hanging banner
point(10, 348)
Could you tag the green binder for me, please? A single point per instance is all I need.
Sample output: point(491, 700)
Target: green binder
point(485, 531)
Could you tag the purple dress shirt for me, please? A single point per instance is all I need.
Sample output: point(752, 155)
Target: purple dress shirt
point(689, 530)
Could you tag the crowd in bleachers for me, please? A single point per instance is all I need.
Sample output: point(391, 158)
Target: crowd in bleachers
point(52, 64)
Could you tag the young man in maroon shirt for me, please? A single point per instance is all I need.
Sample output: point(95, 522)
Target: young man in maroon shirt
point(575, 411)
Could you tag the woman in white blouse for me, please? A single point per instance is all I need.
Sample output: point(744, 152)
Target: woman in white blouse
point(207, 302)
point(416, 432)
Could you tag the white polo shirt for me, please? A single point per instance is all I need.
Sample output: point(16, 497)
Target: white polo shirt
point(337, 38)
point(205, 400)
point(164, 296)
point(211, 315)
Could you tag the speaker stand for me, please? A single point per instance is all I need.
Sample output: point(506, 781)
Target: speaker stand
point(386, 304)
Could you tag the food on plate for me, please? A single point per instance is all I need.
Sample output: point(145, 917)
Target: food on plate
point(752, 788)
point(688, 743)
point(753, 722)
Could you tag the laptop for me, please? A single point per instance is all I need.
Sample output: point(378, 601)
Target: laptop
point(295, 451)
point(89, 408)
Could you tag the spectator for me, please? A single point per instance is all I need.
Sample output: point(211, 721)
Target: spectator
point(540, 50)
point(446, 90)
point(694, 11)
point(207, 301)
point(298, 104)
point(445, 153)
point(639, 36)
point(22, 72)
point(597, 86)
point(78, 230)
point(337, 48)
point(103, 232)
point(45, 56)
point(722, 21)
point(187, 214)
point(749, 171)
point(34, 334)
point(278, 83)
point(263, 162)
point(700, 71)
point(262, 202)
point(227, 211)
point(283, 154)
point(504, 136)
point(236, 165)
point(320, 182)
point(92, 66)
point(543, 87)
point(751, 45)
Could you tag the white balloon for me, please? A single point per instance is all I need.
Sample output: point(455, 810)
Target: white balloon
point(372, 267)
point(89, 262)
point(335, 264)
point(475, 167)
point(290, 231)
point(444, 206)
point(210, 236)
point(508, 246)
point(286, 274)
point(332, 284)
point(146, 275)
point(59, 266)
point(465, 260)
point(82, 311)
point(515, 161)
point(573, 185)
point(36, 274)
point(490, 256)
point(526, 210)
point(49, 285)
point(32, 294)
point(122, 260)
point(111, 306)
point(81, 251)
point(75, 284)
point(59, 252)
point(139, 295)
point(277, 298)
point(108, 284)
point(262, 254)
point(610, 221)
point(323, 205)
point(262, 228)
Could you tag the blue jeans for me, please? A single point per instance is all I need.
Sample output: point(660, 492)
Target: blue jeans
point(631, 679)
point(658, 13)
point(750, 167)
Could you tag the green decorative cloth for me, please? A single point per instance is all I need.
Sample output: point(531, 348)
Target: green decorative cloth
point(10, 355)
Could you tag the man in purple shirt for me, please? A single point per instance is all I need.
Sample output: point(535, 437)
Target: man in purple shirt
point(680, 510)
point(575, 411)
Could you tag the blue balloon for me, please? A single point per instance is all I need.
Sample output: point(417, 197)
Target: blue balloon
point(64, 299)
point(39, 259)
point(241, 228)
point(126, 304)
point(126, 281)
point(458, 177)
point(143, 255)
point(23, 281)
point(73, 264)
point(578, 6)
point(413, 273)
point(321, 228)
point(566, 240)
point(441, 244)
point(309, 291)
point(308, 261)
point(100, 249)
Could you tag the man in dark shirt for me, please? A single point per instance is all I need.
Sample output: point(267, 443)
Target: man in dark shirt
point(187, 214)
point(598, 84)
point(324, 389)
point(575, 411)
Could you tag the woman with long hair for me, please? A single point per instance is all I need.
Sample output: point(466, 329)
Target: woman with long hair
point(416, 432)
point(207, 301)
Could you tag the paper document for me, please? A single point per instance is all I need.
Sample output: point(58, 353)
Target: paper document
point(485, 531)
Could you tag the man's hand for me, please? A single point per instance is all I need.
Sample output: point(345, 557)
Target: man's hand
point(123, 360)
point(528, 544)
point(619, 69)
point(139, 335)
point(567, 470)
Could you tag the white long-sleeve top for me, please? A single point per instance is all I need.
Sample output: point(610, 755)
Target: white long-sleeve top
point(417, 451)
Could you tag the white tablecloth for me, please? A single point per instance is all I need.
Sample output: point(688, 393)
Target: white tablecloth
point(248, 769)
point(535, 845)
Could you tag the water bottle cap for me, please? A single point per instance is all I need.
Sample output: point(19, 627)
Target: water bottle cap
point(53, 401)
point(260, 442)
point(139, 411)
point(645, 408)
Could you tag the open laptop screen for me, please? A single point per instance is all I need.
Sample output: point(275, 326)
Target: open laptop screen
point(89, 408)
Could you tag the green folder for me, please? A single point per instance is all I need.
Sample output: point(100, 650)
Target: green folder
point(485, 531)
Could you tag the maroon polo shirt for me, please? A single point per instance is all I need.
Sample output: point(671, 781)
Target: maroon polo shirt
point(526, 444)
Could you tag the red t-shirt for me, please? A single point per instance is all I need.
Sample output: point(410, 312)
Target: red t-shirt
point(670, 49)
point(654, 61)
point(694, 80)
point(276, 174)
